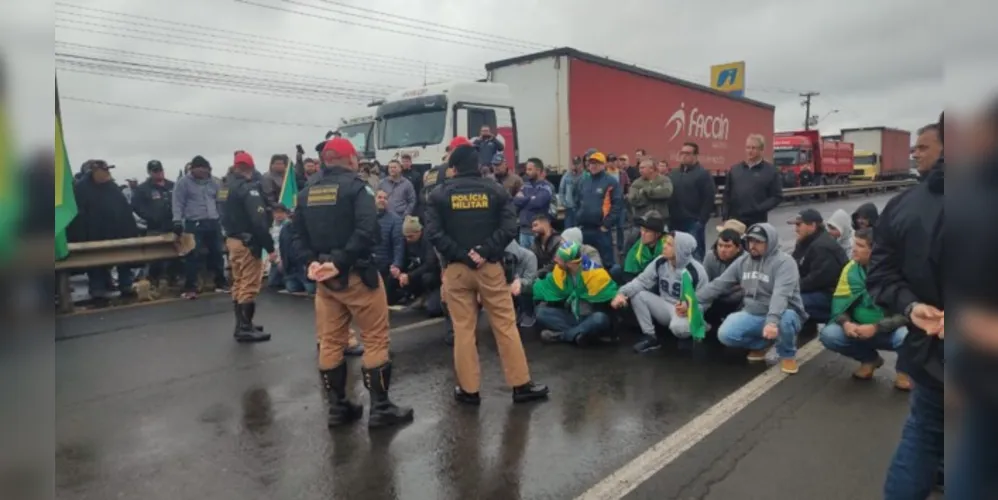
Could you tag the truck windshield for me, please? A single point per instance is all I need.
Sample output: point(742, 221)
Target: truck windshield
point(358, 134)
point(865, 160)
point(415, 129)
point(786, 157)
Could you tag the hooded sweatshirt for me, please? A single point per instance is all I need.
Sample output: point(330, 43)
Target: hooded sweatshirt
point(771, 283)
point(523, 263)
point(575, 234)
point(840, 220)
point(668, 280)
point(869, 212)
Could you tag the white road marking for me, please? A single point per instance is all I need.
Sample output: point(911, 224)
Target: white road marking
point(624, 480)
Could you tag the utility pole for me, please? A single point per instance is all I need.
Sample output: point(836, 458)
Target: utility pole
point(807, 108)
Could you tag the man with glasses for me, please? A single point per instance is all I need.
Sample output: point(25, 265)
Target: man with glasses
point(693, 195)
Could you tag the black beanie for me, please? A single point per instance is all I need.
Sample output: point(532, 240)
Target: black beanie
point(200, 161)
point(464, 159)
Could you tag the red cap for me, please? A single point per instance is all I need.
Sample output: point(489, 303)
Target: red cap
point(244, 158)
point(458, 141)
point(342, 147)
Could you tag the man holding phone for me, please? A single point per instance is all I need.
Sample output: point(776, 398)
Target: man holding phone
point(487, 145)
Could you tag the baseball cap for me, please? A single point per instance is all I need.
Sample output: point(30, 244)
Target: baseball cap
point(498, 159)
point(756, 232)
point(342, 147)
point(597, 157)
point(734, 224)
point(807, 216)
point(100, 164)
point(153, 165)
point(243, 158)
point(458, 141)
point(651, 221)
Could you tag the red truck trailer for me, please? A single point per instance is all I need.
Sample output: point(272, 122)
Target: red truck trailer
point(881, 153)
point(830, 161)
point(567, 101)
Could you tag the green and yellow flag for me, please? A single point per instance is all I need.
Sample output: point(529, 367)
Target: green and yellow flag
point(65, 200)
point(10, 188)
point(698, 327)
point(289, 189)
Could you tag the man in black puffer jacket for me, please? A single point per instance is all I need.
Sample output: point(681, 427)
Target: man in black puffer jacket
point(906, 276)
point(820, 260)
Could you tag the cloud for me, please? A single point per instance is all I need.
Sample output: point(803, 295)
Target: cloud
point(876, 63)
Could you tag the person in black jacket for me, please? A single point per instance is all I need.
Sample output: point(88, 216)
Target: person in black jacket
point(103, 213)
point(153, 202)
point(247, 229)
point(693, 197)
point(419, 277)
point(470, 220)
point(906, 276)
point(865, 216)
point(820, 260)
point(753, 187)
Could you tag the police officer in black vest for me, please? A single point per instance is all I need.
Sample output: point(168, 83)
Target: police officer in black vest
point(470, 220)
point(247, 228)
point(335, 229)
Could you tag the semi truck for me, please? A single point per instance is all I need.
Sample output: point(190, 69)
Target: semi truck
point(828, 161)
point(881, 153)
point(556, 104)
point(360, 131)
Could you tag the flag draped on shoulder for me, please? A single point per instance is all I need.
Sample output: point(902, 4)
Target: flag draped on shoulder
point(698, 327)
point(592, 283)
point(639, 256)
point(65, 200)
point(289, 190)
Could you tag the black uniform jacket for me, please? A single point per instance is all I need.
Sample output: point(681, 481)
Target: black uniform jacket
point(470, 212)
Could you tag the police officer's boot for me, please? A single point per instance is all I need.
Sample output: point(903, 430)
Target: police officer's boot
point(384, 413)
point(334, 384)
point(235, 305)
point(252, 313)
point(244, 326)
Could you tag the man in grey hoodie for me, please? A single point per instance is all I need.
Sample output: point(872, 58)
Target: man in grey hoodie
point(521, 271)
point(665, 276)
point(772, 309)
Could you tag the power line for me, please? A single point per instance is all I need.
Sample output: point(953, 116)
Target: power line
point(420, 24)
point(323, 80)
point(297, 45)
point(188, 113)
point(423, 35)
point(282, 55)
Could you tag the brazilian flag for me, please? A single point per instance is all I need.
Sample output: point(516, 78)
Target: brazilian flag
point(698, 327)
point(10, 188)
point(289, 190)
point(65, 200)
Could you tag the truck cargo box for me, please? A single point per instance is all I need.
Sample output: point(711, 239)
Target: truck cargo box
point(891, 145)
point(568, 101)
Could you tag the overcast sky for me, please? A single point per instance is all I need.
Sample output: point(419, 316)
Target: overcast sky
point(875, 63)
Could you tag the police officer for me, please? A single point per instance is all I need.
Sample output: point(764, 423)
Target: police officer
point(247, 226)
point(470, 221)
point(335, 229)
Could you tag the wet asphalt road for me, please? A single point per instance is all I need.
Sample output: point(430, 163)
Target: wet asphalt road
point(158, 402)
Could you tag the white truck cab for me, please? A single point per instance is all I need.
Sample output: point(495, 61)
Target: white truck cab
point(359, 130)
point(421, 122)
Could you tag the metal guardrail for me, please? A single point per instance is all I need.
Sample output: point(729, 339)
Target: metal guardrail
point(837, 189)
point(113, 252)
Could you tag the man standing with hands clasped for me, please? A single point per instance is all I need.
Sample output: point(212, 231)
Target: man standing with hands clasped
point(247, 227)
point(470, 221)
point(341, 262)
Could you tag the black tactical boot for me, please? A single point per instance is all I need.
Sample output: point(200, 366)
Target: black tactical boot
point(529, 392)
point(383, 413)
point(334, 384)
point(235, 306)
point(252, 312)
point(244, 326)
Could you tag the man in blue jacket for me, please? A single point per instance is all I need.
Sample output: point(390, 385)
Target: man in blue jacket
point(600, 203)
point(390, 251)
point(533, 199)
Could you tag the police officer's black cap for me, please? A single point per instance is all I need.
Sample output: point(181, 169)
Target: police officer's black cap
point(154, 166)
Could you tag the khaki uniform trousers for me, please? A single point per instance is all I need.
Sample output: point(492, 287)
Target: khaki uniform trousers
point(247, 271)
point(334, 311)
point(463, 289)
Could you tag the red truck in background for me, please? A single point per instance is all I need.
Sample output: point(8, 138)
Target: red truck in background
point(806, 159)
point(567, 101)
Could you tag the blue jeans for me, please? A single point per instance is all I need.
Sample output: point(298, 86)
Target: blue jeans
point(818, 305)
point(208, 248)
point(571, 328)
point(912, 473)
point(971, 471)
point(298, 283)
point(744, 330)
point(698, 231)
point(834, 338)
point(526, 240)
point(569, 217)
point(602, 241)
point(621, 220)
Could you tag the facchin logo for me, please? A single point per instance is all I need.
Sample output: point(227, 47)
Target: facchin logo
point(700, 126)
